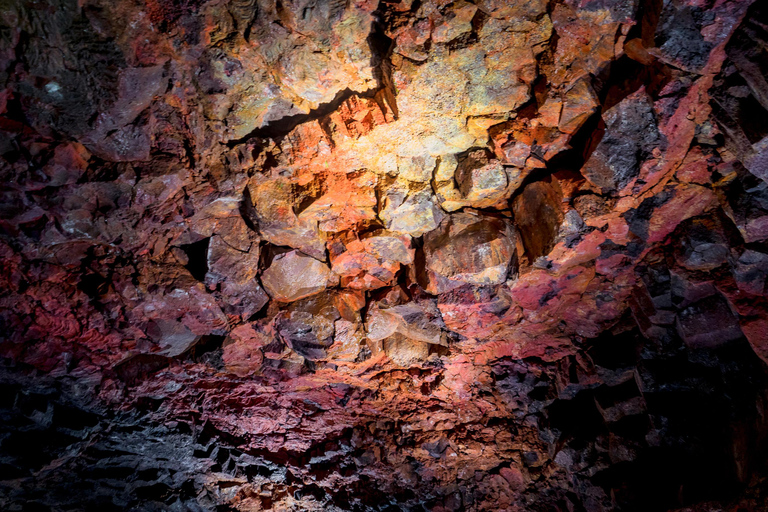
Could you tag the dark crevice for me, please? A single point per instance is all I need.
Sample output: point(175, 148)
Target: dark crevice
point(197, 254)
point(277, 130)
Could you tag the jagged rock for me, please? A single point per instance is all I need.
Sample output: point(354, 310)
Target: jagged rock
point(708, 323)
point(404, 351)
point(630, 137)
point(227, 263)
point(417, 321)
point(482, 313)
point(579, 103)
point(308, 329)
point(410, 212)
point(173, 337)
point(222, 217)
point(348, 341)
point(347, 201)
point(274, 217)
point(538, 217)
point(293, 276)
point(242, 299)
point(678, 37)
point(703, 244)
point(358, 116)
point(455, 23)
point(406, 331)
point(478, 182)
point(372, 262)
point(499, 325)
point(751, 271)
point(469, 249)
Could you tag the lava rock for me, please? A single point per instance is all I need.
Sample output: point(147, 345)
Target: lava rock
point(631, 134)
point(469, 249)
point(293, 276)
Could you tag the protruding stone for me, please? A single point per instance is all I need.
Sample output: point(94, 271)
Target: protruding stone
point(456, 22)
point(630, 136)
point(308, 326)
point(172, 336)
point(242, 350)
point(418, 321)
point(347, 200)
point(702, 245)
point(222, 217)
point(408, 212)
point(348, 340)
point(293, 276)
point(708, 323)
point(372, 262)
point(751, 272)
point(273, 214)
point(405, 352)
point(579, 104)
point(538, 216)
point(227, 263)
point(482, 183)
point(469, 249)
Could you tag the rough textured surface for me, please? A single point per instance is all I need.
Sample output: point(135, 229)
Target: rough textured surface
point(383, 255)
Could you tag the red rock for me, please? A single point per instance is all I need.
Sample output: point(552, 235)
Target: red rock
point(478, 296)
point(687, 201)
point(372, 262)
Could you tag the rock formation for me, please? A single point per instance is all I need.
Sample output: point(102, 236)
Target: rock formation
point(360, 255)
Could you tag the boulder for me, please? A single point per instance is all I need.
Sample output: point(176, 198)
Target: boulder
point(539, 214)
point(479, 181)
point(708, 323)
point(272, 203)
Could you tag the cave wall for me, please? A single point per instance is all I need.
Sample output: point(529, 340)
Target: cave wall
point(383, 255)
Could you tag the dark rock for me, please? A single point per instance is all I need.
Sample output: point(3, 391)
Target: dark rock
point(630, 137)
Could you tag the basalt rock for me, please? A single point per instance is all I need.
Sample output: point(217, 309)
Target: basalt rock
point(492, 255)
point(293, 276)
point(471, 249)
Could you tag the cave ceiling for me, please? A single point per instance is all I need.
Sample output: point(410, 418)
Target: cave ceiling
point(362, 255)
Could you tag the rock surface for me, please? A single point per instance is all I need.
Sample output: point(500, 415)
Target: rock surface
point(386, 255)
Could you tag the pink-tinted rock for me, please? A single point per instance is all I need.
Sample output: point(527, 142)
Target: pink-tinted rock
point(293, 276)
point(708, 323)
point(372, 262)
